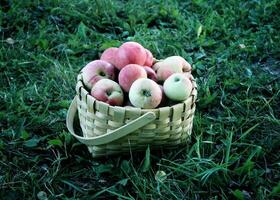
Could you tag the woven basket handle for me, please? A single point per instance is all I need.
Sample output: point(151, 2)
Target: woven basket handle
point(111, 136)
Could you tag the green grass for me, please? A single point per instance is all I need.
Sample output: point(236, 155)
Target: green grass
point(234, 48)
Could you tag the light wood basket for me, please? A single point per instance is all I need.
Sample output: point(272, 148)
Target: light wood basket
point(112, 129)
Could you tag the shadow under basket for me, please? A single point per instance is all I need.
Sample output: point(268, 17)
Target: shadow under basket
point(111, 130)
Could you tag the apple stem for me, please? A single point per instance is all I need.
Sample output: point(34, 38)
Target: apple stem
point(108, 92)
point(102, 73)
point(146, 93)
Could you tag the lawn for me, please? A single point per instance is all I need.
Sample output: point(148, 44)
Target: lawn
point(234, 48)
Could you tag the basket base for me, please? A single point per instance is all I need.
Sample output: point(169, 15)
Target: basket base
point(98, 152)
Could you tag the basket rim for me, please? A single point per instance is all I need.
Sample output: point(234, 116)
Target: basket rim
point(81, 87)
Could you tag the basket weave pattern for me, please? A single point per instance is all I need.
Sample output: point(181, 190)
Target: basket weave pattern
point(172, 125)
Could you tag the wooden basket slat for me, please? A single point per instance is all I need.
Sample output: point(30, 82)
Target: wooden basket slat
point(119, 114)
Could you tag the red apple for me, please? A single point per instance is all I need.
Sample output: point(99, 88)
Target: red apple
point(130, 53)
point(109, 55)
point(108, 91)
point(96, 70)
point(145, 93)
point(129, 74)
point(149, 58)
point(164, 98)
point(151, 73)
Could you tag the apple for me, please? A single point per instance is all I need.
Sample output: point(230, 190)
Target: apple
point(151, 73)
point(149, 58)
point(128, 53)
point(108, 91)
point(157, 65)
point(164, 98)
point(177, 87)
point(186, 66)
point(131, 53)
point(96, 70)
point(145, 93)
point(109, 55)
point(188, 75)
point(129, 74)
point(171, 65)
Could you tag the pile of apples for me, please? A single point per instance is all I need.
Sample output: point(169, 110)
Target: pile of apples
point(130, 76)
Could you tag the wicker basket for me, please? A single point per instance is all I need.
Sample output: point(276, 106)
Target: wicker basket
point(112, 129)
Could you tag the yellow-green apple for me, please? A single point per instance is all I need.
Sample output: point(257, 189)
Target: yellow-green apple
point(96, 70)
point(145, 93)
point(177, 87)
point(108, 91)
point(109, 55)
point(129, 74)
point(130, 53)
point(151, 74)
point(171, 65)
point(149, 58)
